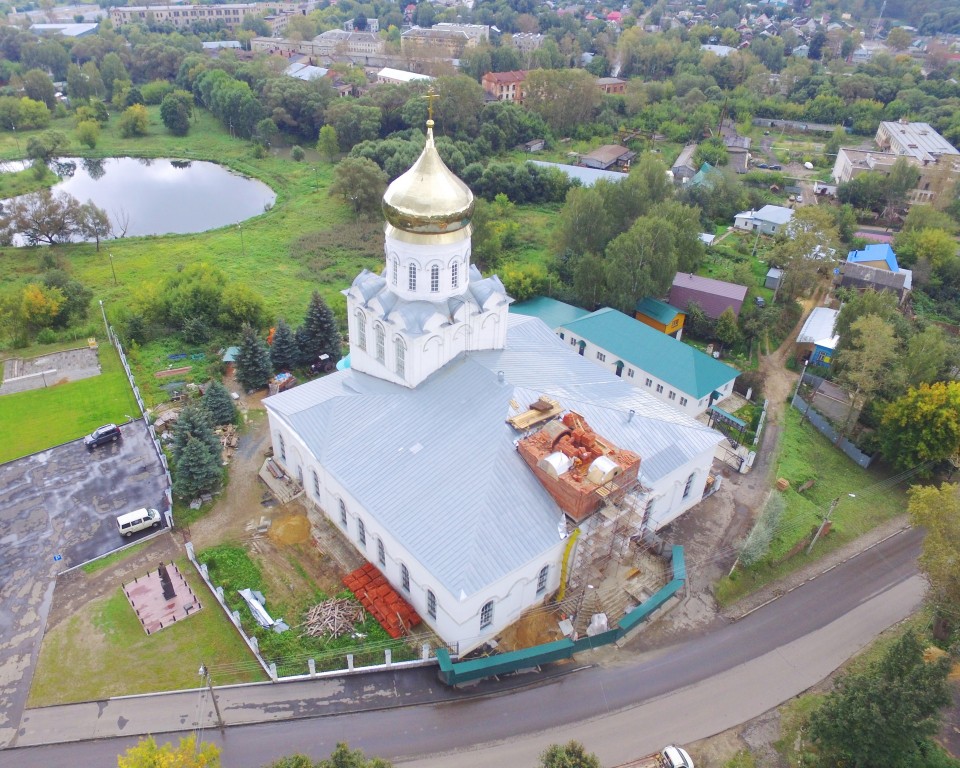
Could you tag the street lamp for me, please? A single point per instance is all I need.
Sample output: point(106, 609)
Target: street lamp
point(243, 248)
point(316, 181)
point(16, 138)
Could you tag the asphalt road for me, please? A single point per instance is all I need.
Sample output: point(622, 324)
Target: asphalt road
point(620, 710)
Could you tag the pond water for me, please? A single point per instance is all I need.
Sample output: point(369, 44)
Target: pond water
point(160, 196)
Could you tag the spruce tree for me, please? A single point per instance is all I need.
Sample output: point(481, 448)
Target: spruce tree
point(219, 404)
point(197, 471)
point(194, 422)
point(253, 361)
point(319, 333)
point(284, 354)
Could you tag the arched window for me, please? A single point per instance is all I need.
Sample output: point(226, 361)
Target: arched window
point(486, 615)
point(455, 274)
point(361, 330)
point(434, 278)
point(405, 578)
point(316, 484)
point(431, 604)
point(381, 552)
point(361, 533)
point(412, 277)
point(396, 270)
point(542, 580)
point(283, 448)
point(380, 353)
point(343, 514)
point(689, 485)
point(400, 354)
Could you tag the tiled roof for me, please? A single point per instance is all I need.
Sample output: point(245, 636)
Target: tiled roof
point(662, 356)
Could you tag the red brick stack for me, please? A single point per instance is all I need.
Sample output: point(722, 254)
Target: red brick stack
point(381, 600)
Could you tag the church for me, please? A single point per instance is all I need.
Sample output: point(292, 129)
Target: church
point(416, 451)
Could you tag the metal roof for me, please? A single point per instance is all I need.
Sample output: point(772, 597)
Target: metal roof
point(436, 466)
point(875, 252)
point(658, 310)
point(586, 176)
point(709, 285)
point(554, 313)
point(818, 328)
point(673, 362)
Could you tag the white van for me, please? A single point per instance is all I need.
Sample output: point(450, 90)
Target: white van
point(131, 522)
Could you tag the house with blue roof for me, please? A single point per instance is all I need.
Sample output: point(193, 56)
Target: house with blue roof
point(670, 370)
point(875, 268)
point(876, 255)
point(554, 313)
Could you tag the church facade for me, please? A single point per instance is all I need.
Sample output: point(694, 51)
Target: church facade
point(410, 451)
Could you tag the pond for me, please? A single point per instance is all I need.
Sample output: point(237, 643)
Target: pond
point(160, 196)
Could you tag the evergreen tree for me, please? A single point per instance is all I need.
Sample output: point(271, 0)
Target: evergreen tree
point(253, 361)
point(219, 404)
point(285, 353)
point(197, 471)
point(194, 421)
point(319, 333)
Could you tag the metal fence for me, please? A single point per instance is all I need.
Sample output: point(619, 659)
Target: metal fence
point(826, 429)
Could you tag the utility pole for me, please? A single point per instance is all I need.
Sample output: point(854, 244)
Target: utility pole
point(826, 519)
point(114, 271)
point(205, 674)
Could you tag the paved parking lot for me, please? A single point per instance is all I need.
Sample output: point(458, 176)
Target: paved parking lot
point(58, 509)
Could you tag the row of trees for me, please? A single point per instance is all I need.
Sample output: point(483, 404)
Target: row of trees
point(197, 462)
point(45, 217)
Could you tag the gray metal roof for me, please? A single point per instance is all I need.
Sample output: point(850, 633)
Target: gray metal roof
point(587, 176)
point(437, 467)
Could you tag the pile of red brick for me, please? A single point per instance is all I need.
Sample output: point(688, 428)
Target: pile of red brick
point(381, 600)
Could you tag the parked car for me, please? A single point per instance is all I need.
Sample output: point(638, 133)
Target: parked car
point(108, 433)
point(762, 165)
point(138, 520)
point(799, 198)
point(776, 167)
point(760, 301)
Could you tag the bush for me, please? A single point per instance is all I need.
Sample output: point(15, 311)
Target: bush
point(153, 92)
point(296, 153)
point(758, 542)
point(46, 336)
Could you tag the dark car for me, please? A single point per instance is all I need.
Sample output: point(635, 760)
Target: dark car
point(760, 301)
point(762, 165)
point(776, 167)
point(108, 433)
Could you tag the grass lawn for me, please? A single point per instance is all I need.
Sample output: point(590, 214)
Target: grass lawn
point(806, 454)
point(107, 652)
point(24, 182)
point(40, 418)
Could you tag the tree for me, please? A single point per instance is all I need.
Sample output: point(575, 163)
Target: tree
point(922, 426)
point(134, 121)
point(319, 334)
point(861, 365)
point(38, 86)
point(899, 38)
point(809, 241)
point(253, 360)
point(175, 111)
point(219, 404)
point(883, 717)
point(902, 178)
point(284, 352)
point(93, 223)
point(148, 754)
point(328, 144)
point(344, 757)
point(88, 132)
point(727, 330)
point(937, 511)
point(194, 423)
point(198, 470)
point(42, 217)
point(564, 98)
point(45, 146)
point(863, 303)
point(569, 755)
point(359, 182)
point(40, 305)
point(76, 297)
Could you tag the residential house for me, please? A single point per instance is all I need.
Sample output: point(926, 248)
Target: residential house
point(534, 145)
point(607, 156)
point(937, 176)
point(712, 296)
point(684, 168)
point(673, 372)
point(504, 86)
point(527, 42)
point(876, 267)
point(661, 316)
point(769, 220)
point(817, 342)
point(611, 85)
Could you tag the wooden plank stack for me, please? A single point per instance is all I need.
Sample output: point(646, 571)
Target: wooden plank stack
point(335, 617)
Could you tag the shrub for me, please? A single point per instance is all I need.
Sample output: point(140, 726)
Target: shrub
point(296, 153)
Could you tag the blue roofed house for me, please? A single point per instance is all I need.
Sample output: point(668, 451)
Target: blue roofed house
point(412, 451)
point(671, 371)
point(875, 267)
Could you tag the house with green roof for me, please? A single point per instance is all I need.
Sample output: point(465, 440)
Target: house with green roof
point(668, 369)
point(660, 315)
point(553, 313)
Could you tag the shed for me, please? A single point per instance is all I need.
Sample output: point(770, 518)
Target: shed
point(229, 359)
point(660, 315)
point(773, 278)
point(817, 341)
point(713, 296)
point(608, 156)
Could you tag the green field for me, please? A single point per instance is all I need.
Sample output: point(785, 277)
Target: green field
point(805, 455)
point(38, 419)
point(107, 652)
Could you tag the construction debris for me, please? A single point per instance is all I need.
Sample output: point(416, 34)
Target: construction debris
point(335, 617)
point(229, 439)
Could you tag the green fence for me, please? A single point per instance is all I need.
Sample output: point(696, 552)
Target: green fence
point(455, 673)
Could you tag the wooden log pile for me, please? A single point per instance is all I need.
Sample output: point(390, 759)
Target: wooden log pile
point(229, 440)
point(335, 617)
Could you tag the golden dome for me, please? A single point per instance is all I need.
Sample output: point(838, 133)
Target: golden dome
point(428, 198)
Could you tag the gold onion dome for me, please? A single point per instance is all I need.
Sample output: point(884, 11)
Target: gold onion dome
point(428, 198)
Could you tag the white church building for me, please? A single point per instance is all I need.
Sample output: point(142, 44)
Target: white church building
point(409, 450)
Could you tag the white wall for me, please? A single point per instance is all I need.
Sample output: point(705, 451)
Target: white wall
point(458, 620)
point(669, 501)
